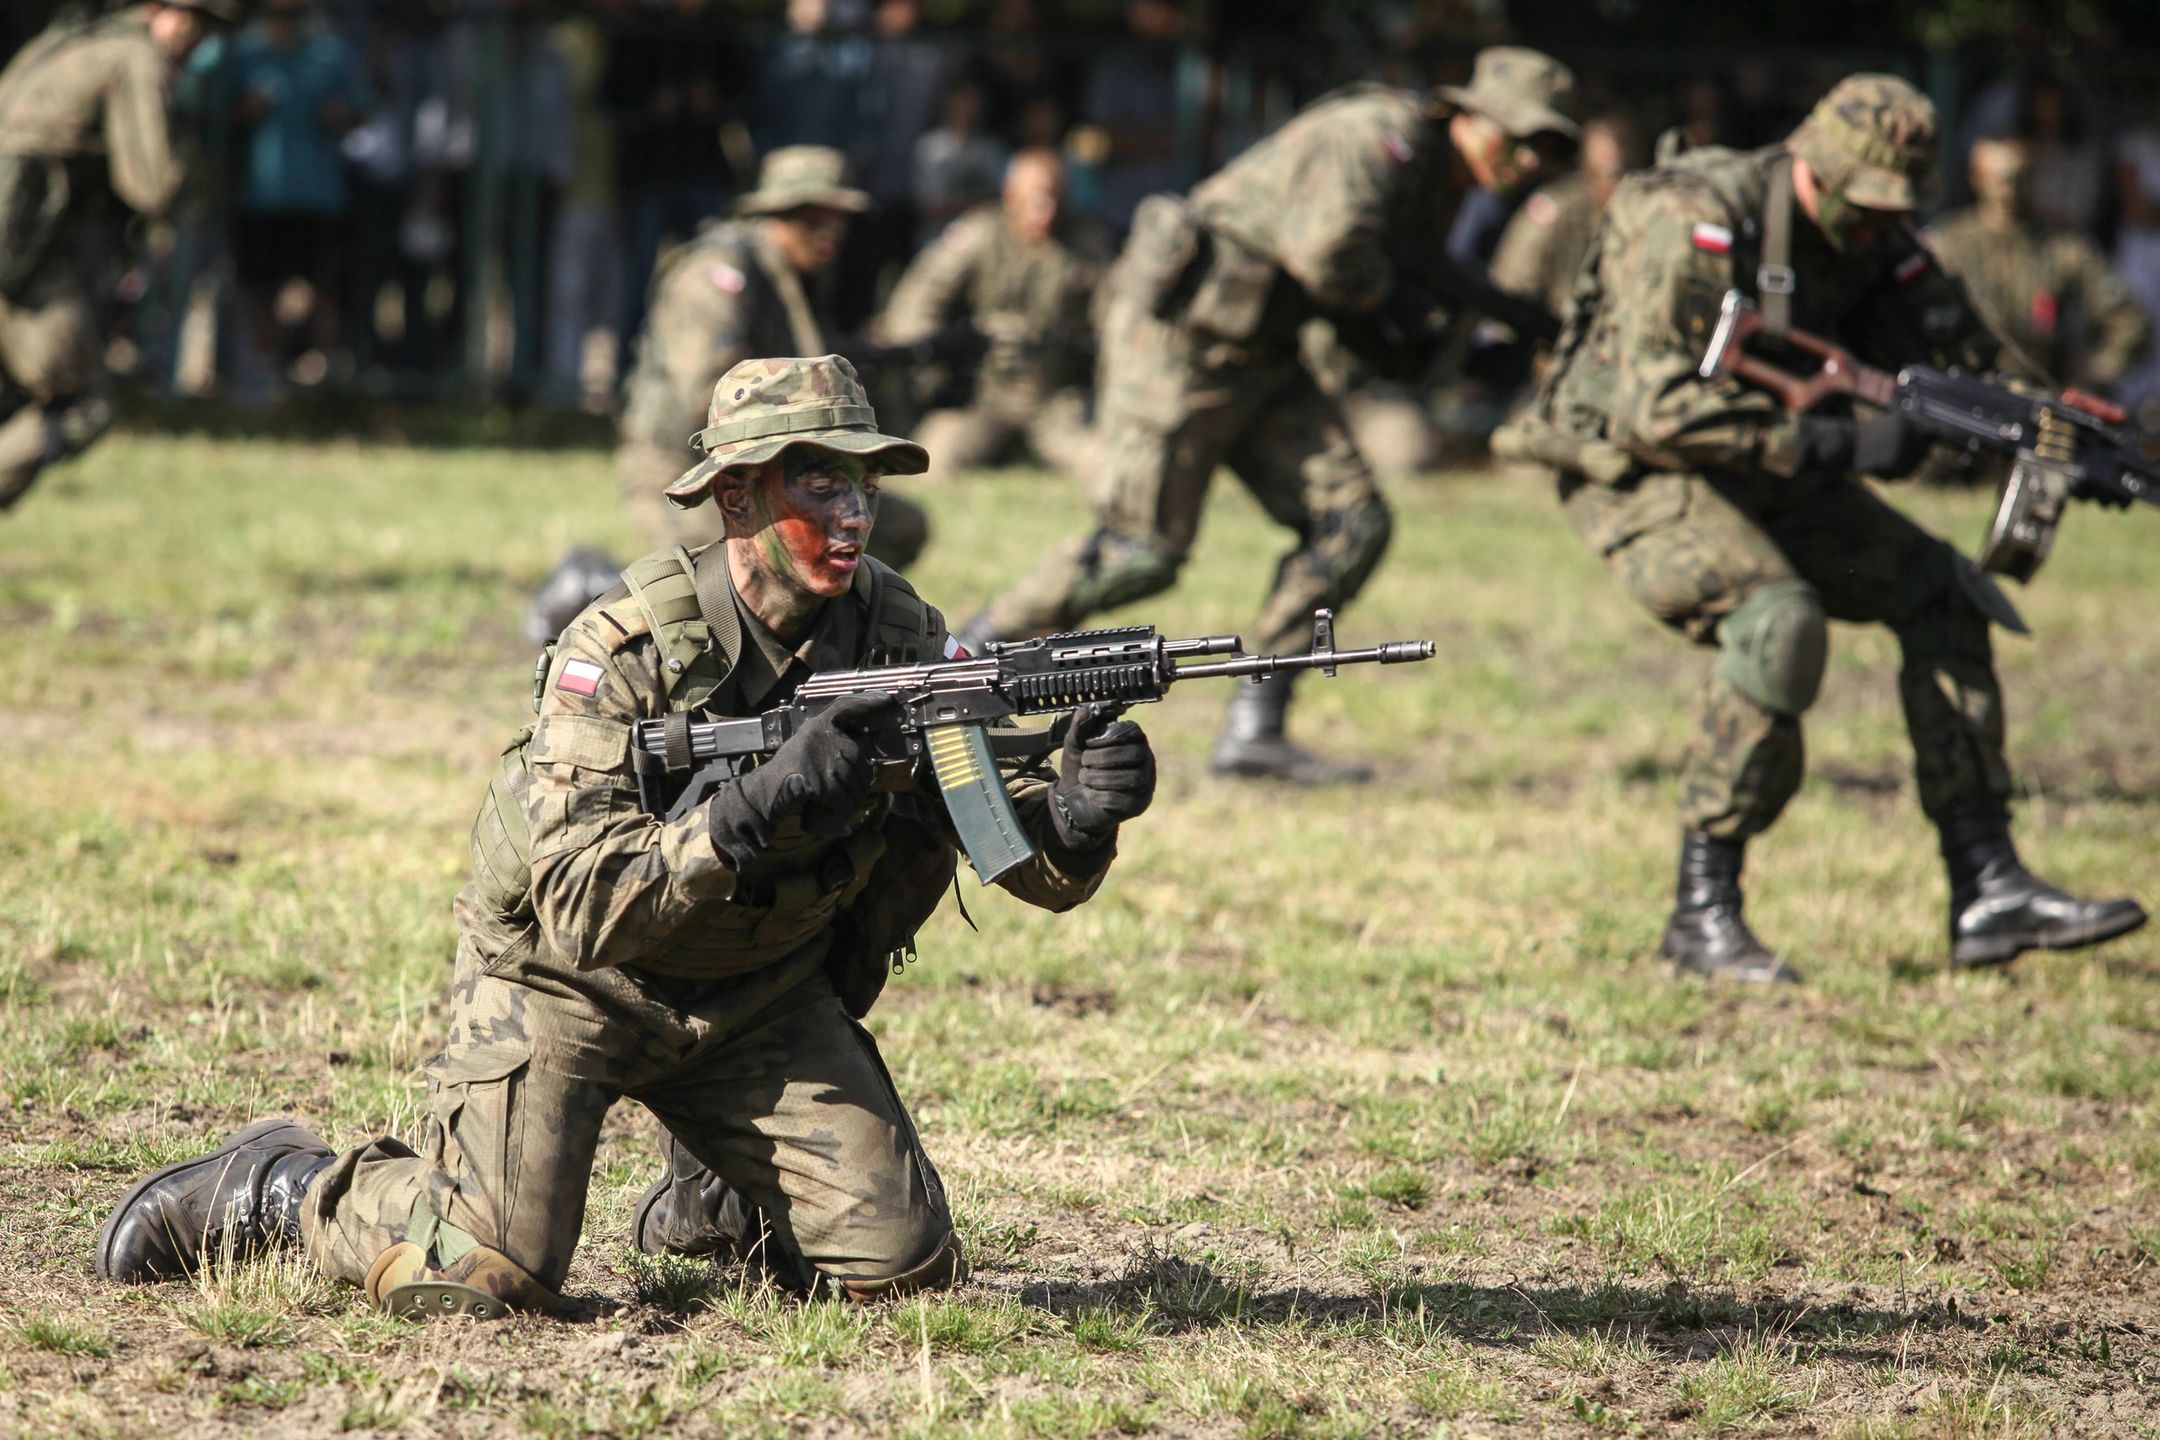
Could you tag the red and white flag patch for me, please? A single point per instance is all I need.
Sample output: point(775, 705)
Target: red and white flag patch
point(1714, 238)
point(579, 677)
point(1541, 208)
point(727, 279)
point(1911, 268)
point(954, 650)
point(1397, 148)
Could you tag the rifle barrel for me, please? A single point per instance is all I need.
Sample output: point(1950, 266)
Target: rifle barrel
point(1395, 652)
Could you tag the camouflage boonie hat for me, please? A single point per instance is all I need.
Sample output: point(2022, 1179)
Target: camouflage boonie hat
point(1525, 92)
point(797, 175)
point(763, 407)
point(1871, 141)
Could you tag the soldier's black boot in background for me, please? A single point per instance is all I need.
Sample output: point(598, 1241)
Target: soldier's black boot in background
point(1252, 743)
point(1707, 934)
point(977, 635)
point(243, 1196)
point(1999, 909)
point(688, 1210)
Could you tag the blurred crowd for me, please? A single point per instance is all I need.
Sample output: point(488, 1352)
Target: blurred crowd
point(416, 195)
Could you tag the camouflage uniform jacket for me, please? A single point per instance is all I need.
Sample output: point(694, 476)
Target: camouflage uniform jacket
point(95, 96)
point(1674, 240)
point(613, 885)
point(2049, 292)
point(1545, 241)
point(724, 297)
point(1358, 184)
point(1034, 302)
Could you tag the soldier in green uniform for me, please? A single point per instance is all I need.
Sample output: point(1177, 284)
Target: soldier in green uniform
point(2048, 291)
point(83, 117)
point(1545, 241)
point(1748, 529)
point(1025, 273)
point(741, 287)
point(1333, 215)
point(714, 966)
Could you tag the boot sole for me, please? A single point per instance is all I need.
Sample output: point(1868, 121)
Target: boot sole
point(127, 1202)
point(1980, 954)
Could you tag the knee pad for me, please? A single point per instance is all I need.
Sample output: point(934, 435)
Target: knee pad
point(1117, 571)
point(71, 428)
point(413, 1280)
point(1775, 646)
point(941, 1270)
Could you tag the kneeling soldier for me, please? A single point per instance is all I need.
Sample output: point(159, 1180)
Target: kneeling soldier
point(714, 966)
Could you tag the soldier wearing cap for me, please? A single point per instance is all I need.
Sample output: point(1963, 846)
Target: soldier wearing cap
point(1335, 215)
point(743, 287)
point(714, 966)
point(83, 117)
point(1747, 529)
point(2046, 289)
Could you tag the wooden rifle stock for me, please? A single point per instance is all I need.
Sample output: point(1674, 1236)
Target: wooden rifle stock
point(1739, 322)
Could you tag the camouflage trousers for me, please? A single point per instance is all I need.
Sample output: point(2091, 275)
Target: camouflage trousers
point(643, 470)
point(1004, 418)
point(53, 368)
point(1690, 548)
point(765, 1079)
point(1173, 403)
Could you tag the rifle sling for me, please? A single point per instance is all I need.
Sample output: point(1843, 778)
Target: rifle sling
point(1774, 278)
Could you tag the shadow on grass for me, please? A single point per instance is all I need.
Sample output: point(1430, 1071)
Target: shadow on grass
point(1177, 1295)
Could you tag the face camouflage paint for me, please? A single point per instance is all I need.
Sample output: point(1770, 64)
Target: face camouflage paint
point(812, 525)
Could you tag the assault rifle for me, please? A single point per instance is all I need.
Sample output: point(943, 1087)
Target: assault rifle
point(946, 709)
point(2070, 446)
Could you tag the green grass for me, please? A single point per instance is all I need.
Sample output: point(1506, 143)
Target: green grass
point(1337, 1114)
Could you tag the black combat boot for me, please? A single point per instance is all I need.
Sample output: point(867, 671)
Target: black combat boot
point(1999, 909)
point(977, 635)
point(244, 1195)
point(688, 1210)
point(1252, 743)
point(1707, 934)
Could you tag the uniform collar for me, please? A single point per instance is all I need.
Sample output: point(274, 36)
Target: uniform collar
point(769, 668)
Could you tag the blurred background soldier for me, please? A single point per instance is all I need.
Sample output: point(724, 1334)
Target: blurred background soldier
point(740, 288)
point(82, 119)
point(1545, 241)
point(1335, 215)
point(2045, 288)
point(1023, 274)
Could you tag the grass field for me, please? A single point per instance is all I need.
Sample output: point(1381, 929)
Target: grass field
point(1356, 1114)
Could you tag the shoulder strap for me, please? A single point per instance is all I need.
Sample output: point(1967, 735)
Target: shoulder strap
point(896, 622)
point(694, 626)
point(1774, 278)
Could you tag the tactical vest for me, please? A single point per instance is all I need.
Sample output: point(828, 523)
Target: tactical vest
point(794, 890)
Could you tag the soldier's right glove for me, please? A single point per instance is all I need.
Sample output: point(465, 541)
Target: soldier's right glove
point(1889, 445)
point(822, 774)
point(1106, 775)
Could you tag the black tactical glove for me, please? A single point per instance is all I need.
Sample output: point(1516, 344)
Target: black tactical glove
point(1106, 774)
point(1889, 445)
point(822, 773)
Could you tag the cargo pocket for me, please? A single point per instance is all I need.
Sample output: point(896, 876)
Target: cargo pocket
point(476, 1109)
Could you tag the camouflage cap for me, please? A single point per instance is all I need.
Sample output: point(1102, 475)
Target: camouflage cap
point(1871, 141)
point(763, 407)
point(1526, 92)
point(797, 175)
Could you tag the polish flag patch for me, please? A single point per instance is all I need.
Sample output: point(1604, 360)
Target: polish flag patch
point(1714, 238)
point(579, 677)
point(1911, 268)
point(1542, 209)
point(727, 279)
point(1396, 147)
point(953, 650)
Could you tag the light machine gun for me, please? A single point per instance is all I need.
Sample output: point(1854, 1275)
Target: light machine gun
point(2070, 446)
point(946, 709)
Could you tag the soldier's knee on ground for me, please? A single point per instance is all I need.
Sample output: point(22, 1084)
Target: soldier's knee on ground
point(944, 1267)
point(419, 1278)
point(1115, 570)
point(901, 532)
point(1774, 646)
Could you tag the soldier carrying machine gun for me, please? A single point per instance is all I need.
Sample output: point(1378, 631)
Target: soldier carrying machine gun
point(2063, 447)
point(946, 706)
